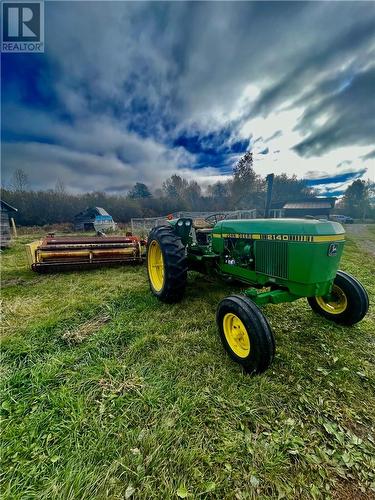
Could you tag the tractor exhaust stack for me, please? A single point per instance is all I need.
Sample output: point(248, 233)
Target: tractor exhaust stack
point(269, 180)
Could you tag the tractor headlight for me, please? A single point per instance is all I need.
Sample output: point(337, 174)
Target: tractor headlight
point(180, 223)
point(187, 223)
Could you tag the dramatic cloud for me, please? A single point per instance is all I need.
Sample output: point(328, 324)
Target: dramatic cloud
point(350, 116)
point(130, 92)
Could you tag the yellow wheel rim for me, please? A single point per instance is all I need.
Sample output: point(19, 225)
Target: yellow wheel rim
point(236, 335)
point(155, 265)
point(337, 304)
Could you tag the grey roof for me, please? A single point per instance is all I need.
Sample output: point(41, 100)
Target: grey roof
point(101, 211)
point(91, 212)
point(8, 207)
point(308, 204)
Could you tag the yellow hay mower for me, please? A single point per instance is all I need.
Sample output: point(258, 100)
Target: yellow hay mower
point(54, 254)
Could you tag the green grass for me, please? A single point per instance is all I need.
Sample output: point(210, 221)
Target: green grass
point(107, 393)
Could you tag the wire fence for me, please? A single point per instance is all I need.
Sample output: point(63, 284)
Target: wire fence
point(142, 226)
point(234, 214)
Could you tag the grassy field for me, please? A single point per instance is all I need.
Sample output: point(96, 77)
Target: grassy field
point(107, 393)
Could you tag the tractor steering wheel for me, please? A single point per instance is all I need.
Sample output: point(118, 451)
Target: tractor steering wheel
point(214, 218)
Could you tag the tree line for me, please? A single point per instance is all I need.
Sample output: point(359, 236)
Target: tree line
point(358, 200)
point(244, 190)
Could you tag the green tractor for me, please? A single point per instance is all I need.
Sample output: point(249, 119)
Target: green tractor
point(280, 260)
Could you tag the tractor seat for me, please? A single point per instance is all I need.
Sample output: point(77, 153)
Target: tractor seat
point(201, 224)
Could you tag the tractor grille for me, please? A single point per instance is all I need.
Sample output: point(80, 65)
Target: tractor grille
point(271, 258)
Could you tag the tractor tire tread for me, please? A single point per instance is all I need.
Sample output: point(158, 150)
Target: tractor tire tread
point(358, 301)
point(365, 303)
point(175, 262)
point(262, 348)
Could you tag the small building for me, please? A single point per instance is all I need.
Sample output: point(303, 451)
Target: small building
point(313, 207)
point(5, 233)
point(94, 219)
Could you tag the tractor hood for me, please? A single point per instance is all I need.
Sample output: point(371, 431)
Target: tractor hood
point(269, 228)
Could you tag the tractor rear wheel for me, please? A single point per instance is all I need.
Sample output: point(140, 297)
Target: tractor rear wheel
point(348, 303)
point(166, 264)
point(245, 333)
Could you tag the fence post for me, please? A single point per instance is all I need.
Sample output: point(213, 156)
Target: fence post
point(13, 227)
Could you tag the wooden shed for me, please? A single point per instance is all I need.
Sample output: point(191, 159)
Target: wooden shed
point(5, 233)
point(315, 207)
point(94, 219)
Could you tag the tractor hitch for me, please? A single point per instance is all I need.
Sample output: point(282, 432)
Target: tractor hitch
point(270, 297)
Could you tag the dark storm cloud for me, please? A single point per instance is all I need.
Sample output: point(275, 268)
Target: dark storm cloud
point(277, 134)
point(369, 156)
point(320, 58)
point(351, 112)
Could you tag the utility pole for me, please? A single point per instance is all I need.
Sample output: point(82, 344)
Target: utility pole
point(269, 181)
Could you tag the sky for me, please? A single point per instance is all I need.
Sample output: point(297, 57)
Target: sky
point(135, 92)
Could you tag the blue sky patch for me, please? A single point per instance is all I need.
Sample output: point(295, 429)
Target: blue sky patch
point(334, 179)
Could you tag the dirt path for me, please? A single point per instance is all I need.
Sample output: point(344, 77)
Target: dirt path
point(363, 237)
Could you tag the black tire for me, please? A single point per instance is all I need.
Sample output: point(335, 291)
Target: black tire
point(260, 336)
point(174, 264)
point(354, 300)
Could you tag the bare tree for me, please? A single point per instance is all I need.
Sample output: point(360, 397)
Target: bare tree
point(20, 180)
point(60, 187)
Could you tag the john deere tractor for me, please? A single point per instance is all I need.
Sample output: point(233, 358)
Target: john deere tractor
point(280, 260)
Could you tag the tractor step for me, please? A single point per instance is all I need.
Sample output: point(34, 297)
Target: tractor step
point(270, 297)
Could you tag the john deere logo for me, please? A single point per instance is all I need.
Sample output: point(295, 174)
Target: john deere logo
point(22, 27)
point(332, 250)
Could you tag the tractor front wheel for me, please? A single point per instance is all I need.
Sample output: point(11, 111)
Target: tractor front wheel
point(166, 264)
point(245, 333)
point(348, 302)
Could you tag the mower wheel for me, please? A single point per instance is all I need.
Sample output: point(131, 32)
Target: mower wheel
point(245, 333)
point(348, 303)
point(166, 264)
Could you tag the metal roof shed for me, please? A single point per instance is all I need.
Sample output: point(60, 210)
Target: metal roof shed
point(94, 219)
point(315, 207)
point(5, 234)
